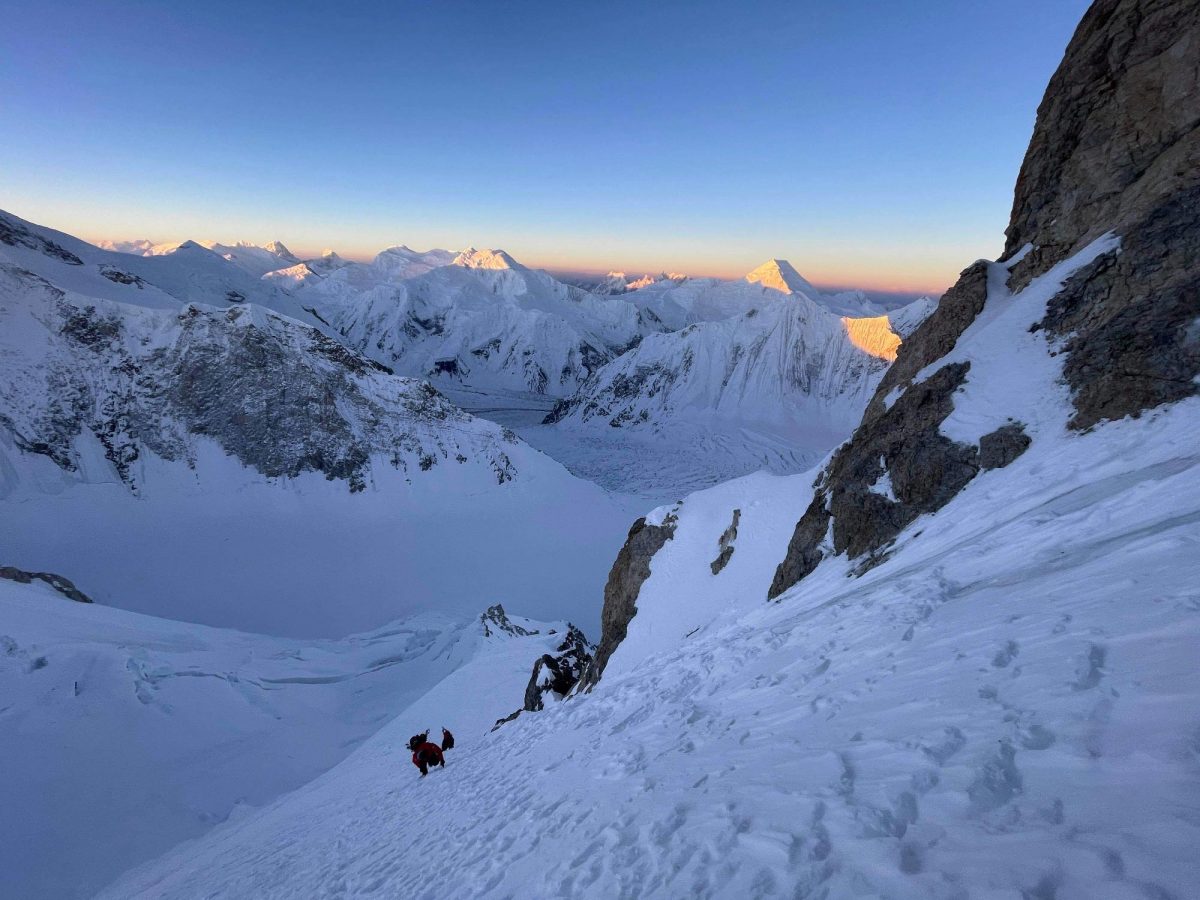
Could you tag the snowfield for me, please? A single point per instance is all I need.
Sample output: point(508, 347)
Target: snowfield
point(1007, 707)
point(220, 462)
point(149, 732)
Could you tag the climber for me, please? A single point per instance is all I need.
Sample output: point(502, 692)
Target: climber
point(447, 738)
point(424, 753)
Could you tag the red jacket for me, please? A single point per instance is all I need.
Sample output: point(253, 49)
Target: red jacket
point(427, 755)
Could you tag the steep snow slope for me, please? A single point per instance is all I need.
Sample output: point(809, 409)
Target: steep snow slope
point(125, 734)
point(792, 364)
point(979, 678)
point(249, 257)
point(189, 273)
point(775, 387)
point(1006, 705)
point(335, 495)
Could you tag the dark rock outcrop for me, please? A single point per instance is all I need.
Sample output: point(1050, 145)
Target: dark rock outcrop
point(725, 544)
point(63, 585)
point(1116, 149)
point(1128, 320)
point(903, 442)
point(496, 621)
point(1002, 446)
point(556, 673)
point(625, 579)
point(560, 672)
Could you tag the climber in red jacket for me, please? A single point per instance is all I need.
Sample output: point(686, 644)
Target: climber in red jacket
point(426, 754)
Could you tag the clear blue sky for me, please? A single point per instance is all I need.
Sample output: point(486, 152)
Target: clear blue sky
point(871, 143)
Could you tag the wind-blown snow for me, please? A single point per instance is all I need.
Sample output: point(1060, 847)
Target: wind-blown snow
point(1012, 377)
point(1007, 705)
point(148, 732)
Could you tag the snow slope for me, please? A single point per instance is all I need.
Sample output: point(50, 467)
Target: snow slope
point(334, 495)
point(1006, 707)
point(774, 387)
point(125, 734)
point(188, 273)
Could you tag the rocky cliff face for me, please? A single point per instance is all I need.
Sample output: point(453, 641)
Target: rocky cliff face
point(629, 572)
point(558, 673)
point(281, 397)
point(1116, 150)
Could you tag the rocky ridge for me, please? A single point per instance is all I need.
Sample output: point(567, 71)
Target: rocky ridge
point(1116, 150)
point(629, 571)
point(281, 397)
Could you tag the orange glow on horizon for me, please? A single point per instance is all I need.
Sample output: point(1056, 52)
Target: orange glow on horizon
point(900, 280)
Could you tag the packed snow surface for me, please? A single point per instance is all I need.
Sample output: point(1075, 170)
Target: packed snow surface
point(1008, 705)
point(149, 732)
point(1005, 706)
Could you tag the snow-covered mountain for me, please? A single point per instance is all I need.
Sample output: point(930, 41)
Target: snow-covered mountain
point(150, 732)
point(620, 283)
point(674, 305)
point(251, 258)
point(977, 677)
point(478, 319)
point(760, 375)
point(188, 273)
point(786, 364)
point(219, 429)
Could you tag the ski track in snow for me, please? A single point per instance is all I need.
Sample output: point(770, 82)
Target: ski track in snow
point(1008, 708)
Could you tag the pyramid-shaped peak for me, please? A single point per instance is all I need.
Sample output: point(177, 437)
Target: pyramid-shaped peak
point(279, 249)
point(192, 247)
point(485, 259)
point(781, 275)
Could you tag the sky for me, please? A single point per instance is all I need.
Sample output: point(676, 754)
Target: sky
point(873, 144)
